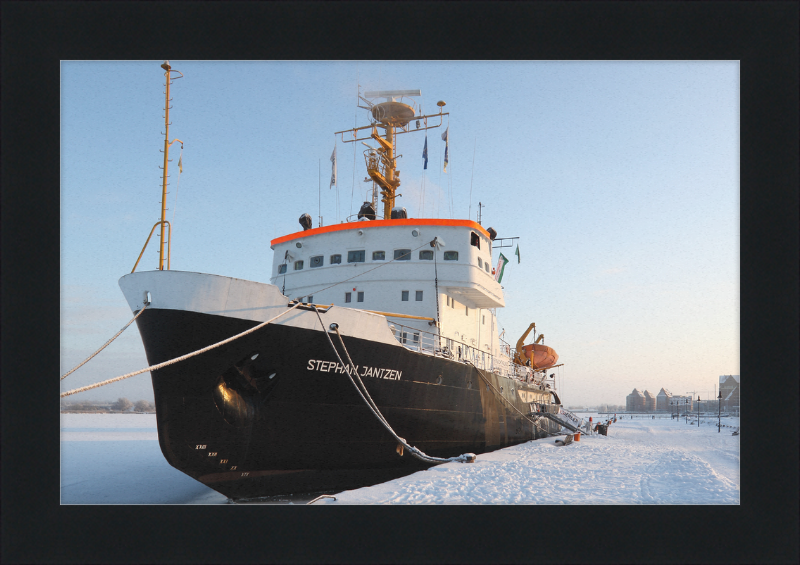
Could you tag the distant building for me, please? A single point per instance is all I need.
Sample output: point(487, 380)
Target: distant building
point(649, 401)
point(634, 402)
point(684, 403)
point(663, 399)
point(729, 387)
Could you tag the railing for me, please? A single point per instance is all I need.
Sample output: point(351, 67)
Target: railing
point(169, 245)
point(429, 343)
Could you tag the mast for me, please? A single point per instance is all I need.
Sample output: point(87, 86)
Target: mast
point(166, 66)
point(394, 117)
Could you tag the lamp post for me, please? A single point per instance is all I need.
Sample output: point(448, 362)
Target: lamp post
point(719, 414)
point(698, 410)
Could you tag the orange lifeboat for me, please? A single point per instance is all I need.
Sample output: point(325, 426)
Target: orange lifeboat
point(541, 356)
point(538, 354)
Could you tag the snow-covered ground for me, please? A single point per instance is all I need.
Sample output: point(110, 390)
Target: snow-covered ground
point(115, 459)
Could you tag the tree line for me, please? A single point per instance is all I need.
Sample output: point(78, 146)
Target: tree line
point(121, 405)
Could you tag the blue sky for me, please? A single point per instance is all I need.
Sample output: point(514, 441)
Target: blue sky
point(620, 178)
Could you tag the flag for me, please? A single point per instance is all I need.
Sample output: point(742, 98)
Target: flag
point(333, 167)
point(501, 264)
point(425, 153)
point(446, 139)
point(180, 163)
point(517, 254)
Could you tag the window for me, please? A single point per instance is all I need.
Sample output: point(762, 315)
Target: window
point(451, 255)
point(416, 339)
point(426, 255)
point(348, 297)
point(361, 296)
point(419, 296)
point(404, 339)
point(281, 269)
point(355, 256)
point(336, 259)
point(486, 266)
point(448, 300)
point(404, 296)
point(482, 316)
point(480, 262)
point(310, 298)
point(475, 240)
point(379, 256)
point(467, 307)
point(298, 265)
point(316, 261)
point(402, 254)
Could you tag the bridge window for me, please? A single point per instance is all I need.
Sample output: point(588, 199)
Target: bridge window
point(298, 265)
point(404, 296)
point(486, 266)
point(474, 239)
point(348, 296)
point(426, 255)
point(361, 296)
point(480, 263)
point(336, 259)
point(281, 269)
point(419, 296)
point(451, 255)
point(316, 261)
point(379, 256)
point(402, 254)
point(356, 256)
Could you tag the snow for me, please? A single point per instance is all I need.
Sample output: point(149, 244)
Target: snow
point(115, 459)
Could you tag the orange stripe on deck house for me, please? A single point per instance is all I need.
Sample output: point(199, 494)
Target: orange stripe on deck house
point(377, 224)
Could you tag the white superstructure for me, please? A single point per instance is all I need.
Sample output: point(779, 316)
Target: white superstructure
point(390, 266)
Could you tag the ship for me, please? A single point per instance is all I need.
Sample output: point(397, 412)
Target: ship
point(373, 352)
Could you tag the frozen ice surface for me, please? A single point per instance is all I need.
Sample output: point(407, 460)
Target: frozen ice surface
point(641, 461)
point(115, 459)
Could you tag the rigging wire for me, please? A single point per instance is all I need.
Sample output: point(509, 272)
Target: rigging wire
point(355, 125)
point(177, 187)
point(469, 216)
point(365, 272)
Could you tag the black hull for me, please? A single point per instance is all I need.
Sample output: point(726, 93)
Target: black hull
point(291, 421)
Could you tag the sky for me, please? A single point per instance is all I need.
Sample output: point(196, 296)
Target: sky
point(621, 180)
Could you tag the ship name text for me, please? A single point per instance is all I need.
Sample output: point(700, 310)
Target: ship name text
point(336, 367)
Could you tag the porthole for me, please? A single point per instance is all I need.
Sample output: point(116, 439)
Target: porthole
point(439, 380)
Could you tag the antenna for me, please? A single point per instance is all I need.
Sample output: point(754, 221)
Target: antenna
point(390, 95)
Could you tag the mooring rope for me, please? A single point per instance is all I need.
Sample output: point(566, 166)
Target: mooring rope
point(181, 358)
point(321, 497)
point(68, 373)
point(374, 408)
